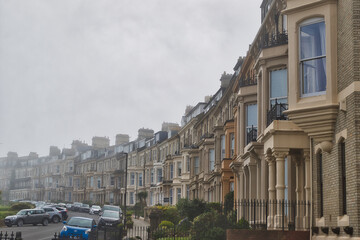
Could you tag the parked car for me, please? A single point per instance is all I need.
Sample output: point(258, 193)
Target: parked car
point(79, 227)
point(76, 206)
point(111, 208)
point(109, 219)
point(85, 208)
point(28, 216)
point(95, 209)
point(62, 210)
point(68, 206)
point(55, 215)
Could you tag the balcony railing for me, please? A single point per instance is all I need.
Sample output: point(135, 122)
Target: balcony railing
point(207, 135)
point(276, 112)
point(251, 135)
point(274, 40)
point(244, 82)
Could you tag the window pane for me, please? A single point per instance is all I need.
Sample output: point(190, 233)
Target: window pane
point(312, 40)
point(278, 84)
point(314, 75)
point(251, 115)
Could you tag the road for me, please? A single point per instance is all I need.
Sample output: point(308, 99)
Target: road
point(39, 232)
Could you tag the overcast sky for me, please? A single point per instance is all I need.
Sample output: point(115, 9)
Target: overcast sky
point(74, 69)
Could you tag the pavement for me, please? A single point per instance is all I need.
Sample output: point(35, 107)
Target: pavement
point(140, 222)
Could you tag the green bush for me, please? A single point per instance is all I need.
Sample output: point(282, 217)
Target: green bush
point(242, 224)
point(184, 225)
point(22, 205)
point(208, 226)
point(190, 209)
point(166, 224)
point(229, 202)
point(170, 213)
point(213, 206)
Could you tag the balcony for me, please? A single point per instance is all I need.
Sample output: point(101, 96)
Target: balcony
point(251, 135)
point(244, 82)
point(276, 112)
point(274, 40)
point(207, 135)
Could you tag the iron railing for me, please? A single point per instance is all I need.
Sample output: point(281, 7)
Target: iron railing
point(251, 134)
point(10, 236)
point(273, 214)
point(276, 112)
point(273, 40)
point(244, 82)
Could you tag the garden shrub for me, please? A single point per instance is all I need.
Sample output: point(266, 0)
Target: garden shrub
point(242, 224)
point(184, 225)
point(229, 202)
point(208, 225)
point(191, 209)
point(22, 205)
point(213, 206)
point(166, 224)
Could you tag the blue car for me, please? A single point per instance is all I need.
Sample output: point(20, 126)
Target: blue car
point(80, 227)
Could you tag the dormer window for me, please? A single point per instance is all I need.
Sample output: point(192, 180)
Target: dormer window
point(312, 57)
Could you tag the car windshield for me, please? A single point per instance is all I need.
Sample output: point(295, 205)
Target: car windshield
point(80, 222)
point(85, 205)
point(111, 208)
point(22, 212)
point(111, 214)
point(96, 207)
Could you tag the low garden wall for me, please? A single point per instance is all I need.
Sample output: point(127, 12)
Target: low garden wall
point(243, 234)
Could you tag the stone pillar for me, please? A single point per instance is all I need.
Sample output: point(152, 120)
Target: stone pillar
point(242, 127)
point(306, 221)
point(258, 180)
point(299, 191)
point(280, 186)
point(252, 181)
point(271, 190)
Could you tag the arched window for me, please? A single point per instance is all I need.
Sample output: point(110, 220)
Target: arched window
point(320, 183)
point(343, 209)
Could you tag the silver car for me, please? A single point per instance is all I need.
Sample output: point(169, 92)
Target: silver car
point(55, 215)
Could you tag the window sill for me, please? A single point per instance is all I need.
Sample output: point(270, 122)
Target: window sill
point(343, 221)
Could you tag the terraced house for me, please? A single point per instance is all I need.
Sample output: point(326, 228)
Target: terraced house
point(282, 133)
point(296, 102)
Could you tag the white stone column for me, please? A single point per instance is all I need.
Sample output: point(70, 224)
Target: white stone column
point(258, 180)
point(271, 190)
point(242, 127)
point(299, 191)
point(280, 186)
point(252, 184)
point(306, 221)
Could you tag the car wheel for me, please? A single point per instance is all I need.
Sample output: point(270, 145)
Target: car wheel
point(34, 224)
point(9, 225)
point(55, 219)
point(45, 222)
point(20, 223)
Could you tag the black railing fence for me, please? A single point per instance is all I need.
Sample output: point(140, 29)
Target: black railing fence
point(10, 236)
point(276, 112)
point(272, 40)
point(251, 134)
point(136, 232)
point(272, 214)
